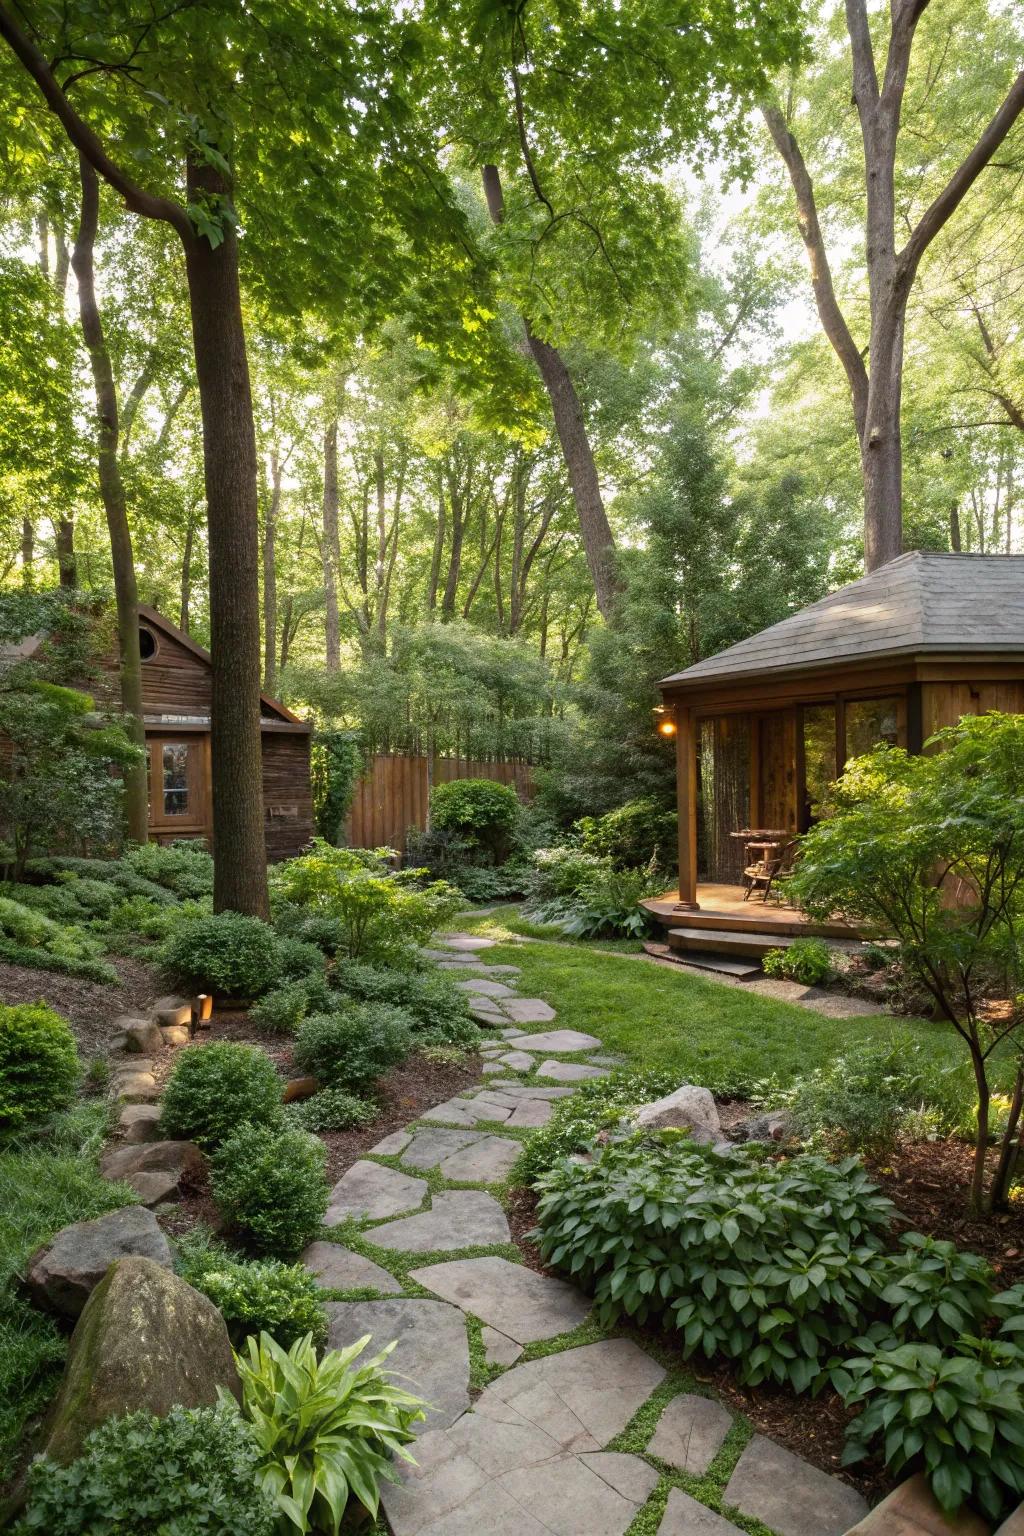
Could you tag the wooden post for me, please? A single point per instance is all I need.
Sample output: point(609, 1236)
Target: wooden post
point(686, 804)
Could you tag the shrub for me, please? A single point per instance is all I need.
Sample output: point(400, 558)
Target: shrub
point(806, 960)
point(897, 819)
point(332, 1109)
point(282, 1010)
point(215, 1088)
point(479, 883)
point(296, 959)
point(483, 813)
point(270, 1186)
point(122, 1483)
point(39, 1067)
point(936, 1292)
point(565, 870)
point(960, 1411)
point(255, 1295)
point(605, 903)
point(632, 835)
point(771, 1265)
point(439, 1009)
point(226, 953)
point(327, 933)
point(34, 930)
point(113, 872)
point(596, 1105)
point(326, 1429)
point(184, 868)
point(355, 1048)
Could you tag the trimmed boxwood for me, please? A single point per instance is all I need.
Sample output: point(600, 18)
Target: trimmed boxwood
point(270, 1186)
point(226, 953)
point(39, 1067)
point(215, 1088)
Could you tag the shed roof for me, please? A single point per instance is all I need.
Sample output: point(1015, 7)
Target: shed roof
point(916, 604)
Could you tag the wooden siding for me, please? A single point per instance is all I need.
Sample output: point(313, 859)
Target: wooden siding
point(944, 703)
point(391, 796)
point(287, 798)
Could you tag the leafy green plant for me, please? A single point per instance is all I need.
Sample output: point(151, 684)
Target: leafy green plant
point(805, 960)
point(39, 1066)
point(270, 1186)
point(31, 930)
point(958, 1411)
point(936, 1292)
point(605, 903)
point(215, 1088)
point(596, 1106)
point(326, 1429)
point(225, 953)
point(327, 933)
point(123, 1484)
point(482, 812)
point(254, 1295)
point(336, 762)
point(332, 1109)
point(929, 848)
point(282, 1010)
point(632, 835)
point(771, 1265)
point(354, 1048)
point(438, 1008)
point(184, 868)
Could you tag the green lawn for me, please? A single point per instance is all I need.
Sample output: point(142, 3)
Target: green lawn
point(721, 1036)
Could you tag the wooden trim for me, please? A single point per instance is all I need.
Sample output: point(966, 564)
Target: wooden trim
point(155, 618)
point(198, 818)
point(686, 803)
point(915, 719)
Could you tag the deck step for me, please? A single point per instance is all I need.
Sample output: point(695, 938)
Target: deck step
point(722, 941)
point(703, 960)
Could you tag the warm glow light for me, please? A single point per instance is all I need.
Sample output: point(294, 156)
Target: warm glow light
point(667, 727)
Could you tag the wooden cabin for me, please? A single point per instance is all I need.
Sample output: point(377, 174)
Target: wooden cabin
point(764, 727)
point(176, 693)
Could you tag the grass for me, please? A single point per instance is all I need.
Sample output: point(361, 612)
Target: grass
point(45, 1182)
point(723, 1037)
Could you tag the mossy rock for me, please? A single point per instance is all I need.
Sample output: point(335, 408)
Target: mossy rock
point(145, 1340)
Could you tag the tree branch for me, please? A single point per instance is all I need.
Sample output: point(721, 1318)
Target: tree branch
point(960, 183)
point(832, 319)
point(85, 140)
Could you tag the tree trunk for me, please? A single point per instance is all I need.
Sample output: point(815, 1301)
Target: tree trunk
point(28, 552)
point(955, 540)
point(438, 551)
point(458, 499)
point(286, 629)
point(64, 535)
point(270, 576)
point(332, 547)
point(115, 501)
point(185, 614)
point(229, 456)
point(598, 541)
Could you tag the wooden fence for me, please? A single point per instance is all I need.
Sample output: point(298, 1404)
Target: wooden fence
point(391, 796)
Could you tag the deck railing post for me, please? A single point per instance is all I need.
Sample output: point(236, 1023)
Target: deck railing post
point(686, 802)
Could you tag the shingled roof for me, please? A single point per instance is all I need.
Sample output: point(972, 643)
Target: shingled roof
point(919, 604)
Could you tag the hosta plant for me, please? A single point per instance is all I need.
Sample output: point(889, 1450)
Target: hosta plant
point(771, 1265)
point(936, 1292)
point(958, 1412)
point(326, 1429)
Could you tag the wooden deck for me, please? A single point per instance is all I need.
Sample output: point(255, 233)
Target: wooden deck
point(723, 909)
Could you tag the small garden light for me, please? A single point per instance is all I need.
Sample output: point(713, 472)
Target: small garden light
point(666, 721)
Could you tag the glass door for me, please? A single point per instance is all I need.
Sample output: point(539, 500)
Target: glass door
point(177, 785)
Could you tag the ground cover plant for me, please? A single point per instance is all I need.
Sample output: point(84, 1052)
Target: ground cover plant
point(805, 960)
point(906, 835)
point(254, 1295)
point(436, 1005)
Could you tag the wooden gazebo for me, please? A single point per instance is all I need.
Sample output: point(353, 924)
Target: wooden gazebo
point(763, 728)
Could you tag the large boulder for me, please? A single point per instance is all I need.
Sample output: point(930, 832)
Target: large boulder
point(145, 1341)
point(62, 1274)
point(689, 1108)
point(156, 1170)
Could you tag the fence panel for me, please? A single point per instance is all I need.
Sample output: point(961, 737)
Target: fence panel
point(391, 796)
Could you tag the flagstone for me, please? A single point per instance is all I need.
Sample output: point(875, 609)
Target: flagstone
point(339, 1269)
point(686, 1517)
point(528, 1010)
point(486, 987)
point(690, 1433)
point(431, 1357)
point(521, 1303)
point(517, 1061)
point(568, 1071)
point(429, 1148)
point(392, 1145)
point(786, 1493)
point(559, 1042)
point(459, 1218)
point(369, 1190)
point(498, 1347)
point(485, 1161)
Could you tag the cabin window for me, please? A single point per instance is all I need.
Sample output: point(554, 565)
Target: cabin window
point(147, 643)
point(819, 743)
point(176, 778)
point(870, 722)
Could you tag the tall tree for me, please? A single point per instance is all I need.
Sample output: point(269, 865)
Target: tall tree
point(874, 367)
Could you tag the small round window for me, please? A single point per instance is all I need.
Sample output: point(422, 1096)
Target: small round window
point(147, 643)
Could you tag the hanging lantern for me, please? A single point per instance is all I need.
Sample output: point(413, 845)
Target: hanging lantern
point(665, 720)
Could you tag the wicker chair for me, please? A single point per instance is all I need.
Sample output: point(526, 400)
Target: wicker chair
point(770, 873)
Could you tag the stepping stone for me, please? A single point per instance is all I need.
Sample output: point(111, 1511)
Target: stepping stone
point(522, 1304)
point(501, 970)
point(785, 1492)
point(690, 1433)
point(499, 1348)
point(467, 942)
point(528, 1010)
point(568, 1071)
point(432, 1354)
point(515, 1092)
point(493, 1066)
point(559, 1041)
point(468, 1112)
point(461, 1218)
point(491, 1050)
point(510, 1034)
point(685, 1517)
point(370, 1191)
point(629, 1475)
point(530, 1114)
point(485, 1161)
point(484, 1013)
point(393, 1145)
point(582, 1397)
point(339, 1269)
point(487, 988)
point(139, 1122)
point(460, 963)
point(430, 1148)
point(518, 1061)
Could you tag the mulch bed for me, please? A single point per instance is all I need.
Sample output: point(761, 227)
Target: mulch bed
point(90, 1006)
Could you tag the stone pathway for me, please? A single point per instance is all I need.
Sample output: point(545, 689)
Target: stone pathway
point(530, 1456)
